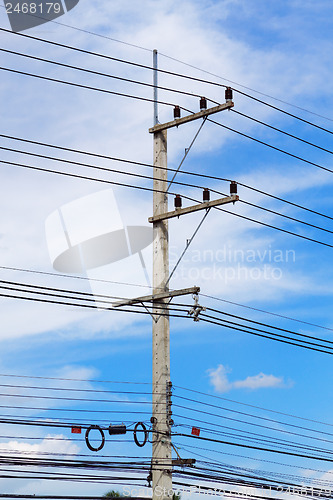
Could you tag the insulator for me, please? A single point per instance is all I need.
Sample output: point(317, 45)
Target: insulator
point(203, 103)
point(233, 188)
point(206, 195)
point(176, 112)
point(178, 201)
point(228, 94)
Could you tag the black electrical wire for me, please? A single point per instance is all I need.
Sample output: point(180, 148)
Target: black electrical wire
point(282, 131)
point(189, 449)
point(265, 440)
point(182, 62)
point(93, 72)
point(98, 167)
point(259, 448)
point(172, 73)
point(300, 158)
point(258, 417)
point(110, 58)
point(132, 174)
point(87, 87)
point(205, 318)
point(283, 111)
point(303, 335)
point(156, 190)
point(271, 336)
point(253, 406)
point(49, 292)
point(256, 425)
point(266, 312)
point(185, 172)
point(75, 295)
point(146, 286)
point(74, 379)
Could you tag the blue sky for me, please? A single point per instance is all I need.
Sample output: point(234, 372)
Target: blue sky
point(273, 51)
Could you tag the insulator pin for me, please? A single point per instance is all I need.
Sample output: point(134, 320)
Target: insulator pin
point(178, 201)
point(206, 195)
point(233, 188)
point(228, 94)
point(176, 112)
point(203, 103)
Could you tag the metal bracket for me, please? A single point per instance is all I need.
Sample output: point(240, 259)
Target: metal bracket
point(196, 309)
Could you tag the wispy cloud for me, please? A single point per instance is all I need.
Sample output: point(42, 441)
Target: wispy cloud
point(220, 381)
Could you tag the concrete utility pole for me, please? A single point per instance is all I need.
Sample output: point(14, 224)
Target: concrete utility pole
point(161, 419)
point(162, 463)
point(161, 458)
point(161, 453)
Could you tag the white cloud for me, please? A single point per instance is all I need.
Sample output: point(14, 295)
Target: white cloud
point(52, 443)
point(221, 383)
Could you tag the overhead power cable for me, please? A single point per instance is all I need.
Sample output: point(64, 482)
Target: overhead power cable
point(221, 398)
point(244, 414)
point(132, 174)
point(201, 80)
point(209, 319)
point(182, 62)
point(275, 148)
point(107, 75)
point(186, 172)
point(69, 294)
point(215, 425)
point(31, 167)
point(87, 87)
point(259, 448)
point(266, 335)
point(282, 131)
point(251, 308)
point(302, 335)
point(189, 449)
point(96, 167)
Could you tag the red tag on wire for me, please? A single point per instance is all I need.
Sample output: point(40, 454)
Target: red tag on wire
point(76, 430)
point(195, 431)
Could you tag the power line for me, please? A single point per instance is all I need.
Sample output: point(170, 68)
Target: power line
point(107, 75)
point(265, 312)
point(87, 87)
point(96, 167)
point(282, 131)
point(151, 189)
point(179, 61)
point(271, 146)
point(132, 174)
point(245, 414)
point(303, 335)
point(185, 172)
point(259, 448)
point(248, 432)
point(208, 318)
point(165, 72)
point(252, 406)
point(270, 335)
point(247, 457)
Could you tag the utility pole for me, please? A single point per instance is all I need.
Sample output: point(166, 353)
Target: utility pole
point(162, 463)
point(161, 458)
point(161, 437)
